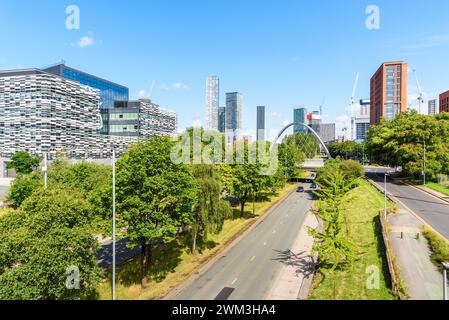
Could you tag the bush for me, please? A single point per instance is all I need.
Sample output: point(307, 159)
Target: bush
point(23, 163)
point(352, 169)
point(438, 246)
point(22, 187)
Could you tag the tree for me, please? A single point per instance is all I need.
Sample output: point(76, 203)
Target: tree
point(334, 249)
point(23, 163)
point(399, 142)
point(290, 157)
point(210, 211)
point(154, 196)
point(23, 187)
point(45, 245)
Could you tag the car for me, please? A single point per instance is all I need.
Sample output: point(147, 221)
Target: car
point(313, 186)
point(300, 189)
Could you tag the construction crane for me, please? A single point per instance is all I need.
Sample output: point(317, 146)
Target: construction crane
point(351, 104)
point(420, 97)
point(321, 106)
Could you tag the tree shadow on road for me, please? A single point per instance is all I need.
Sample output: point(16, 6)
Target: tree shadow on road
point(302, 262)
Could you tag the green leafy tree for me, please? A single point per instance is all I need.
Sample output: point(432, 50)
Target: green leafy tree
point(155, 196)
point(291, 157)
point(331, 244)
point(23, 187)
point(210, 211)
point(23, 163)
point(399, 142)
point(43, 243)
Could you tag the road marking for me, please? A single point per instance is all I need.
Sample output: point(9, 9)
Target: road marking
point(252, 259)
point(265, 243)
point(235, 280)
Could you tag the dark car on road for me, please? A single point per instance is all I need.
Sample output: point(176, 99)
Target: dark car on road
point(300, 189)
point(313, 186)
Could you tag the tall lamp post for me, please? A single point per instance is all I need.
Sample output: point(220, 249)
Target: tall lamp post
point(445, 268)
point(113, 225)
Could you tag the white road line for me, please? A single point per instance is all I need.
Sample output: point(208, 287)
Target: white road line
point(252, 259)
point(265, 243)
point(235, 280)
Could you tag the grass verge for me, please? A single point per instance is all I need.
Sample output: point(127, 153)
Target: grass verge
point(439, 247)
point(438, 187)
point(173, 263)
point(362, 209)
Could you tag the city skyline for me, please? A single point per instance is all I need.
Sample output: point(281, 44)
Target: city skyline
point(295, 60)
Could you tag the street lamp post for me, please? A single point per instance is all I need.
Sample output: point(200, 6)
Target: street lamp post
point(113, 225)
point(45, 169)
point(445, 268)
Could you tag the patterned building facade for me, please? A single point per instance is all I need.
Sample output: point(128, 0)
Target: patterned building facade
point(42, 112)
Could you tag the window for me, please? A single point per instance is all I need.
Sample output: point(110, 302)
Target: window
point(390, 75)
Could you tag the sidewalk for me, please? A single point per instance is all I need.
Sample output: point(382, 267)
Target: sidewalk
point(295, 278)
point(432, 192)
point(423, 280)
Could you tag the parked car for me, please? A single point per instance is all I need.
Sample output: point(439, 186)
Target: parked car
point(300, 189)
point(313, 186)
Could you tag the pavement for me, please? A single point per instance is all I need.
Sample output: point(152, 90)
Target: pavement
point(250, 270)
point(416, 209)
point(424, 281)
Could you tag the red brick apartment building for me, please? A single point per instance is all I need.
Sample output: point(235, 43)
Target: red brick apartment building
point(388, 91)
point(444, 102)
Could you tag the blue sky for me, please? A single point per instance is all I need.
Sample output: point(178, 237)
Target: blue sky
point(277, 53)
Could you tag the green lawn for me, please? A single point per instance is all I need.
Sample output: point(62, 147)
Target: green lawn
point(438, 187)
point(362, 211)
point(173, 263)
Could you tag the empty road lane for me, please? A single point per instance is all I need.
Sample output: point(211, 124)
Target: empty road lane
point(249, 269)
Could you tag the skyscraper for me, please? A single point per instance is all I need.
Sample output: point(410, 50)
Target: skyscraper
point(260, 123)
point(212, 102)
point(299, 116)
point(388, 91)
point(233, 116)
point(444, 102)
point(222, 119)
point(432, 107)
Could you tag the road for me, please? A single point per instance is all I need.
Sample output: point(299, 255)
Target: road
point(249, 269)
point(433, 211)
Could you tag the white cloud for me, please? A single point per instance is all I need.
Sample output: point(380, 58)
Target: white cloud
point(432, 41)
point(286, 123)
point(342, 119)
point(143, 94)
point(86, 41)
point(274, 115)
point(179, 85)
point(174, 86)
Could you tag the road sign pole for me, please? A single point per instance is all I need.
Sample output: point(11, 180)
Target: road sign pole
point(113, 225)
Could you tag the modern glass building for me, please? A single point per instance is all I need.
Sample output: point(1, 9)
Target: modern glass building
point(233, 117)
point(222, 119)
point(260, 123)
point(299, 116)
point(110, 92)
